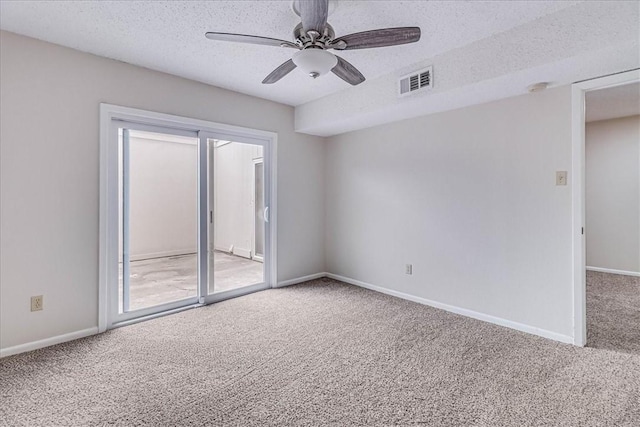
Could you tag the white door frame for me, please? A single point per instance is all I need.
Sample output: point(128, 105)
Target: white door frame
point(254, 253)
point(108, 232)
point(578, 91)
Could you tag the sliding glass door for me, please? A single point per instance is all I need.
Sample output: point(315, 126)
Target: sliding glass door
point(158, 220)
point(237, 216)
point(192, 213)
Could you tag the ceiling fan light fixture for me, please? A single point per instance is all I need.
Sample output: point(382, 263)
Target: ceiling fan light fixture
point(314, 62)
point(313, 36)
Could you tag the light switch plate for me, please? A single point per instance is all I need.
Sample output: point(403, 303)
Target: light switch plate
point(561, 178)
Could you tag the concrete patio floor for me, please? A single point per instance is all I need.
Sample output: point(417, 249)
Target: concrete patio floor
point(162, 280)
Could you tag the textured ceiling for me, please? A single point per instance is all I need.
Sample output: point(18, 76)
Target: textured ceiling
point(612, 103)
point(587, 40)
point(169, 35)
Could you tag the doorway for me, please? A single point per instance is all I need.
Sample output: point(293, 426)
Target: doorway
point(620, 83)
point(185, 215)
point(612, 202)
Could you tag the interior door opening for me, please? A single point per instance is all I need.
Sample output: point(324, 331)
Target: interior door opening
point(585, 106)
point(612, 217)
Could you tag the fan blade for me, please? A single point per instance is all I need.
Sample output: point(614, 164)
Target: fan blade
point(313, 14)
point(347, 72)
point(245, 38)
point(377, 38)
point(279, 72)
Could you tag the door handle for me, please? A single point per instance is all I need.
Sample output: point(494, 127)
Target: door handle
point(266, 214)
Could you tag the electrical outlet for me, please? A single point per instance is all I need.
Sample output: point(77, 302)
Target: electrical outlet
point(36, 303)
point(561, 178)
point(408, 269)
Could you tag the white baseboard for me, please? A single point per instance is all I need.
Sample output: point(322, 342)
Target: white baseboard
point(612, 271)
point(300, 279)
point(458, 310)
point(140, 257)
point(245, 253)
point(34, 345)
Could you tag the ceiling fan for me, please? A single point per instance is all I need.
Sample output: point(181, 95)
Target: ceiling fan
point(313, 37)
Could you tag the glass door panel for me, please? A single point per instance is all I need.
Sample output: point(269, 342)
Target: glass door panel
point(237, 212)
point(158, 213)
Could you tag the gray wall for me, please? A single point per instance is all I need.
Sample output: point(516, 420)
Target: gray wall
point(49, 110)
point(469, 198)
point(612, 187)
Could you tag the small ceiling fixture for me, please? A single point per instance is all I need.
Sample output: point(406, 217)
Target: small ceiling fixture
point(314, 62)
point(313, 37)
point(538, 87)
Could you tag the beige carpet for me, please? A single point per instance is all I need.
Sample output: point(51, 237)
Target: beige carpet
point(613, 312)
point(326, 353)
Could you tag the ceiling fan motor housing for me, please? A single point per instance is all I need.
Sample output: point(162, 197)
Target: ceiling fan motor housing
point(313, 38)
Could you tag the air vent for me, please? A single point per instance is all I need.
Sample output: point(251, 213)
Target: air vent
point(416, 81)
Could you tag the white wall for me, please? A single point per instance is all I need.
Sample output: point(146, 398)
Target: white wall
point(612, 177)
point(469, 198)
point(234, 199)
point(163, 197)
point(49, 186)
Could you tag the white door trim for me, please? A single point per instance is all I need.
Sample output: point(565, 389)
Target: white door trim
point(108, 229)
point(578, 91)
point(254, 253)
